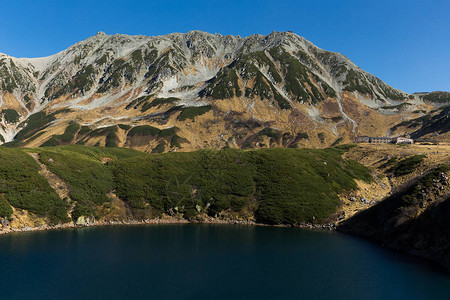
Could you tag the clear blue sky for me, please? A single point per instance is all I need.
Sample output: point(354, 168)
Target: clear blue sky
point(405, 43)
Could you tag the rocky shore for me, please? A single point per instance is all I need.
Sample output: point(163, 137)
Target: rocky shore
point(163, 220)
point(92, 223)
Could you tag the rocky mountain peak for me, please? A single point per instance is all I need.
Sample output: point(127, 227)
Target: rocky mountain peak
point(279, 80)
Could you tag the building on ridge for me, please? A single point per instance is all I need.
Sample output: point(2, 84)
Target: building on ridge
point(383, 140)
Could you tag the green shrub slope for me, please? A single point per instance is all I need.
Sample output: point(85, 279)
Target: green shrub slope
point(276, 186)
point(22, 187)
point(280, 186)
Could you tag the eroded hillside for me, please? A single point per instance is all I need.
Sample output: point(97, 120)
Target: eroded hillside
point(198, 90)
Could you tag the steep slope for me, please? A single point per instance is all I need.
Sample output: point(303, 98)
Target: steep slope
point(210, 90)
point(270, 186)
point(433, 126)
point(413, 219)
point(408, 211)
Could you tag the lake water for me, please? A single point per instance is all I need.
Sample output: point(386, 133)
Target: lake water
point(194, 261)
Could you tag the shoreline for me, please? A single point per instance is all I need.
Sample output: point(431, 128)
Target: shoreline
point(330, 227)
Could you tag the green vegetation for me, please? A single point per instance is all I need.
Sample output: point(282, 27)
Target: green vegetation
point(246, 66)
point(282, 102)
point(84, 130)
point(344, 148)
point(143, 130)
point(111, 139)
point(355, 82)
point(262, 59)
point(150, 55)
point(162, 62)
point(81, 168)
point(193, 111)
point(302, 135)
point(414, 218)
point(27, 101)
point(424, 183)
point(337, 142)
point(102, 131)
point(437, 97)
point(278, 186)
point(9, 83)
point(65, 138)
point(175, 141)
point(136, 134)
point(168, 132)
point(2, 139)
point(136, 56)
point(136, 102)
point(160, 147)
point(289, 186)
point(388, 91)
point(11, 115)
point(224, 85)
point(274, 135)
point(296, 77)
point(399, 106)
point(23, 187)
point(158, 102)
point(336, 119)
point(82, 81)
point(321, 137)
point(89, 180)
point(70, 132)
point(260, 88)
point(117, 72)
point(51, 142)
point(124, 126)
point(5, 208)
point(419, 111)
point(432, 123)
point(34, 123)
point(413, 122)
point(108, 132)
point(407, 165)
point(391, 161)
point(102, 60)
point(300, 186)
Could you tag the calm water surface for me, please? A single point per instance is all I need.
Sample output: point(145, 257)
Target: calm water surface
point(209, 261)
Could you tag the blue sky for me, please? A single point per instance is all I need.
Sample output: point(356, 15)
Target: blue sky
point(405, 43)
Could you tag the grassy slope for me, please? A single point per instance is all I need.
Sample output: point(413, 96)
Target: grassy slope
point(278, 186)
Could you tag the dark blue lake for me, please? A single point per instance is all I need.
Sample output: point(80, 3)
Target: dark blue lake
point(209, 261)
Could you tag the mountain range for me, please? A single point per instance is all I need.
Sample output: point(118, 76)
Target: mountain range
point(200, 90)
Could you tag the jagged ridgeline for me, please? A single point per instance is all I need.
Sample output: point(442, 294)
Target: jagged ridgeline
point(215, 91)
point(272, 186)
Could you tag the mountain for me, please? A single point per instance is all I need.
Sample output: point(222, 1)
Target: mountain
point(196, 90)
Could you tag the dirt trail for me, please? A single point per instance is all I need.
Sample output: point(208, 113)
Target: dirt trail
point(60, 187)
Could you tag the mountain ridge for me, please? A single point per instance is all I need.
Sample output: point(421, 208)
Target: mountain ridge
point(280, 79)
